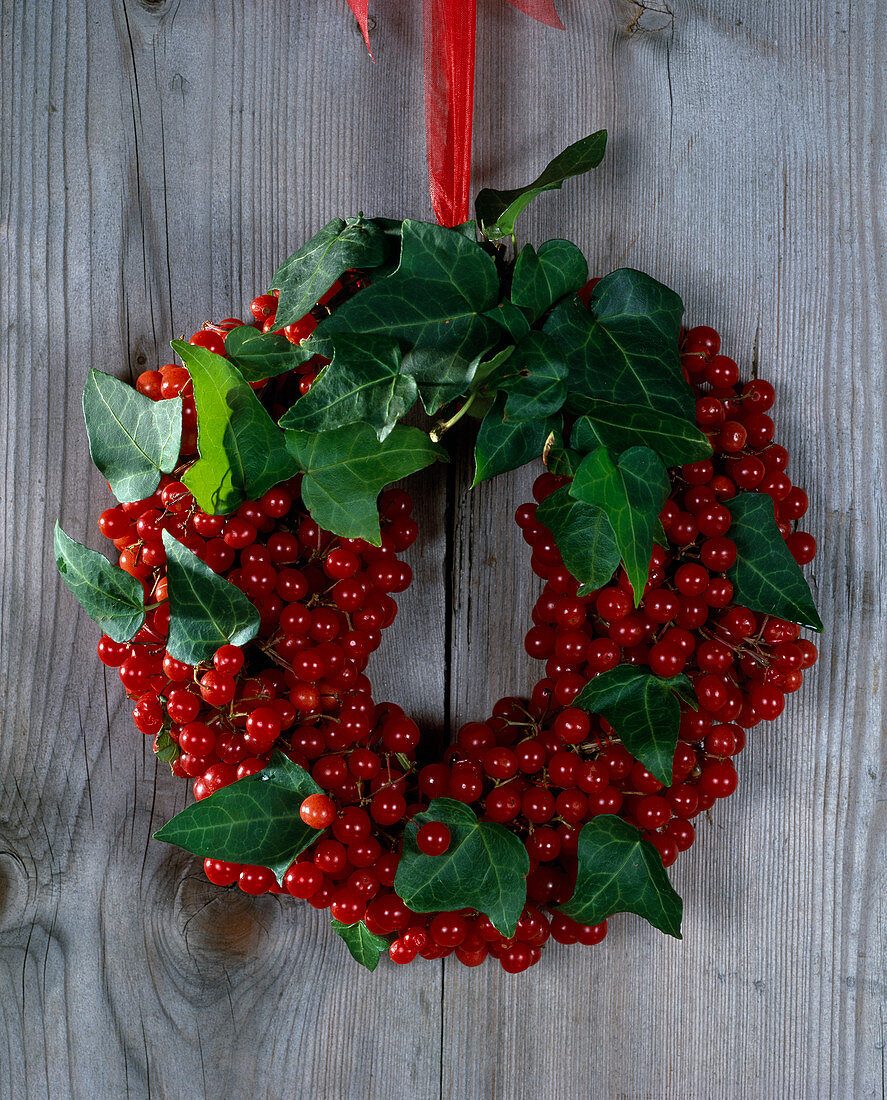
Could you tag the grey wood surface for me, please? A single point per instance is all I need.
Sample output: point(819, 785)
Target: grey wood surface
point(159, 157)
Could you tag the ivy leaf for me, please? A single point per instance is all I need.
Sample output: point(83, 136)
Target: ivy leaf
point(308, 274)
point(497, 211)
point(632, 492)
point(364, 946)
point(624, 347)
point(254, 820)
point(346, 469)
point(765, 577)
point(488, 371)
point(165, 748)
point(432, 305)
point(541, 278)
point(505, 444)
point(132, 439)
point(260, 355)
point(242, 451)
point(108, 594)
point(560, 460)
point(534, 379)
point(363, 382)
point(484, 868)
point(584, 537)
point(619, 427)
point(620, 872)
point(643, 709)
point(205, 610)
point(510, 319)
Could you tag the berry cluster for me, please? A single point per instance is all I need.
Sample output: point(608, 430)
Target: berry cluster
point(541, 767)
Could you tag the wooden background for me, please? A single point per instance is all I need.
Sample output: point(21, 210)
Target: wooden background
point(159, 158)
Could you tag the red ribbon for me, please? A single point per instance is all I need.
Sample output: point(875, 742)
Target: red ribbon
point(449, 47)
point(360, 9)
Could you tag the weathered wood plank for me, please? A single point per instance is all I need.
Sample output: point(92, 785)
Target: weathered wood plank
point(742, 171)
point(163, 158)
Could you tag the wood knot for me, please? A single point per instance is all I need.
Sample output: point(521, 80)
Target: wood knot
point(650, 16)
point(157, 8)
point(15, 888)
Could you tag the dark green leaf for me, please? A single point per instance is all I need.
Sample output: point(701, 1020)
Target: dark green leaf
point(484, 384)
point(345, 470)
point(205, 610)
point(489, 371)
point(766, 578)
point(584, 537)
point(632, 492)
point(540, 279)
point(619, 427)
point(534, 378)
point(432, 305)
point(484, 868)
point(363, 383)
point(110, 596)
point(624, 347)
point(497, 211)
point(259, 355)
point(560, 460)
point(254, 820)
point(504, 445)
point(364, 946)
point(308, 274)
point(132, 439)
point(509, 318)
point(620, 872)
point(242, 451)
point(165, 748)
point(643, 709)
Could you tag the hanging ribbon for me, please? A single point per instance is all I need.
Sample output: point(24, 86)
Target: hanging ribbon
point(449, 31)
point(361, 10)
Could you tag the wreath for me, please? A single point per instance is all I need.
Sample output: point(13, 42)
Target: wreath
point(259, 551)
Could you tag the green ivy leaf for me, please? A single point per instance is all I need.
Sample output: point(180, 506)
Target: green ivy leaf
point(254, 820)
point(242, 451)
point(108, 594)
point(432, 305)
point(363, 383)
point(619, 427)
point(765, 577)
point(259, 355)
point(584, 537)
point(308, 274)
point(541, 278)
point(560, 460)
point(643, 709)
point(504, 444)
point(631, 491)
point(497, 211)
point(624, 347)
point(132, 439)
point(484, 868)
point(205, 610)
point(534, 379)
point(364, 946)
point(620, 872)
point(510, 319)
point(346, 469)
point(165, 748)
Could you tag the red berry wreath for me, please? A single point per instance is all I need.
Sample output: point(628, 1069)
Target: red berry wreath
point(258, 564)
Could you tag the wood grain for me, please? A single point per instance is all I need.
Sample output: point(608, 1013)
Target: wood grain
point(159, 157)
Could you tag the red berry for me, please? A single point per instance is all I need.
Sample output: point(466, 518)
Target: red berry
point(318, 811)
point(433, 838)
